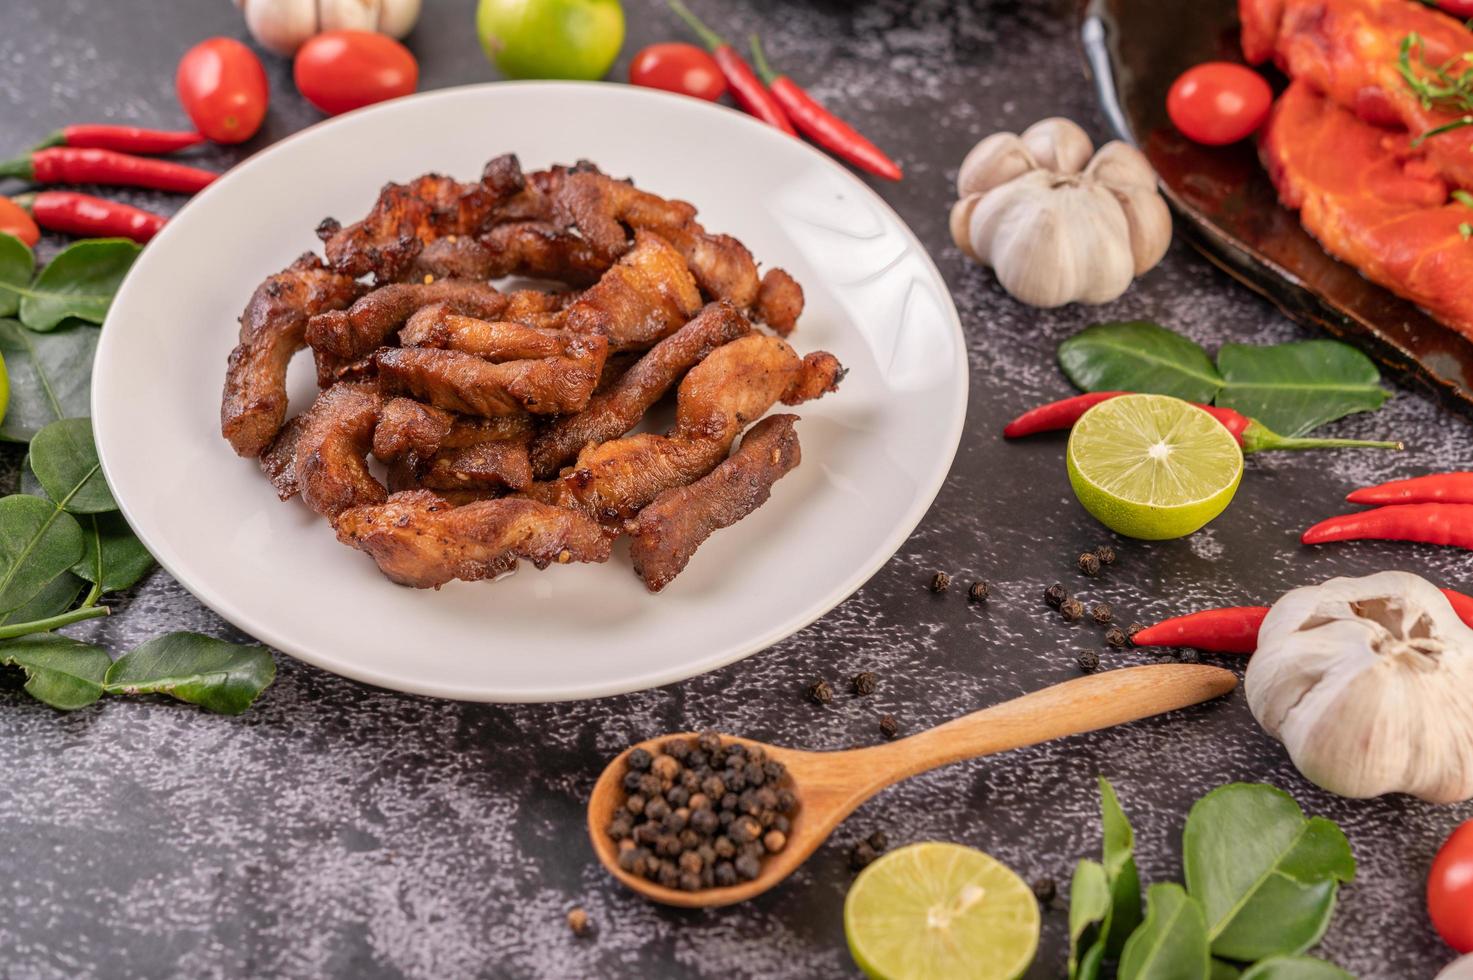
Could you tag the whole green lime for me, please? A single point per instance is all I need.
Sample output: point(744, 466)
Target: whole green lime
point(4, 389)
point(576, 39)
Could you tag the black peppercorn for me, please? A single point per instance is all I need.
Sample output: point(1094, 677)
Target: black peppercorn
point(631, 781)
point(675, 821)
point(787, 800)
point(819, 692)
point(697, 760)
point(678, 749)
point(668, 846)
point(725, 874)
point(754, 774)
point(735, 779)
point(940, 582)
point(774, 770)
point(631, 860)
point(647, 833)
point(705, 821)
point(862, 855)
point(708, 742)
point(690, 881)
point(1089, 564)
point(978, 592)
point(656, 809)
point(691, 861)
point(669, 875)
point(1105, 554)
point(748, 867)
point(744, 830)
point(677, 796)
point(725, 817)
point(1055, 595)
point(889, 727)
point(1101, 613)
point(880, 841)
point(1089, 661)
point(755, 754)
point(1072, 610)
point(713, 787)
point(1115, 636)
point(620, 827)
point(649, 785)
point(729, 801)
point(747, 803)
point(634, 804)
point(699, 801)
point(1187, 655)
point(774, 841)
point(640, 759)
point(780, 822)
point(578, 921)
point(1044, 889)
point(1133, 629)
point(665, 767)
point(864, 682)
point(724, 847)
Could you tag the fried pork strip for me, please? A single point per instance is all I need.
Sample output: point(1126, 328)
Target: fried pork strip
point(419, 540)
point(272, 329)
point(533, 249)
point(407, 216)
point(409, 430)
point(332, 445)
point(646, 296)
point(495, 340)
point(461, 382)
point(779, 301)
point(734, 385)
point(668, 531)
point(362, 328)
point(278, 462)
point(428, 447)
point(617, 409)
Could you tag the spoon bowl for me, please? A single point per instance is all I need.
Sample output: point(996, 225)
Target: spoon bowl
point(831, 785)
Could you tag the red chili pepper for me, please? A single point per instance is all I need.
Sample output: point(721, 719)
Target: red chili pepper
point(820, 125)
point(746, 87)
point(1462, 605)
point(1445, 524)
point(1445, 488)
point(90, 217)
point(1253, 436)
point(128, 139)
point(66, 165)
point(1230, 630)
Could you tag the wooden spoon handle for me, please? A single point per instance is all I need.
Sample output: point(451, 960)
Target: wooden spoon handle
point(1084, 704)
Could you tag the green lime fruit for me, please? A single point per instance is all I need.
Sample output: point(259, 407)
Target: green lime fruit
point(1153, 467)
point(937, 911)
point(576, 39)
point(4, 389)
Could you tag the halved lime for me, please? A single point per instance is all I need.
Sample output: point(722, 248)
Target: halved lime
point(935, 911)
point(1153, 467)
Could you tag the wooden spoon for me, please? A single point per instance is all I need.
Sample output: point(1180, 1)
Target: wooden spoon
point(830, 785)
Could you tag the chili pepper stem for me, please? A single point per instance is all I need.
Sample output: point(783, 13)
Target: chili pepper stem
point(57, 138)
point(20, 168)
point(708, 37)
point(1259, 438)
point(759, 61)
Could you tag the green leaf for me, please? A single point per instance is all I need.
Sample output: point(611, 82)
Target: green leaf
point(50, 376)
point(1223, 970)
point(1139, 356)
point(1172, 943)
point(1266, 876)
point(54, 598)
point(1294, 388)
point(60, 671)
point(1120, 869)
point(1295, 968)
point(17, 264)
point(79, 282)
point(37, 543)
point(113, 557)
point(64, 459)
point(1089, 905)
point(202, 670)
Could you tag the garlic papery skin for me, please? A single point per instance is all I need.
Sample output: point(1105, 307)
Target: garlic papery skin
point(1058, 144)
point(993, 162)
point(285, 25)
point(1368, 682)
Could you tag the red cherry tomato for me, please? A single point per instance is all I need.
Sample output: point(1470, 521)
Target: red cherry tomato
point(1450, 890)
point(15, 221)
point(223, 87)
point(342, 70)
point(1219, 102)
point(682, 68)
point(1458, 8)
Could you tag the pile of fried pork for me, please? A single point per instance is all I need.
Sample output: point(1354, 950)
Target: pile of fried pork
point(1369, 142)
point(503, 417)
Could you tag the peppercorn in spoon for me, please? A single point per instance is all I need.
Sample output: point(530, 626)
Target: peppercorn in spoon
point(831, 785)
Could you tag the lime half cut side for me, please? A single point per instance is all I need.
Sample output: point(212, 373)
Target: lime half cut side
point(1153, 467)
point(938, 911)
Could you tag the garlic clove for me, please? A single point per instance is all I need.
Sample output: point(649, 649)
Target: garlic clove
point(993, 162)
point(1149, 221)
point(1122, 165)
point(1058, 144)
point(397, 18)
point(961, 219)
point(280, 25)
point(349, 15)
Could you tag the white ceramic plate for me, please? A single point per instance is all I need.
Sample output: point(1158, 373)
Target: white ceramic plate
point(874, 454)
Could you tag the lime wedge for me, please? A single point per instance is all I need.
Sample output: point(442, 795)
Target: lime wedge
point(1153, 467)
point(935, 911)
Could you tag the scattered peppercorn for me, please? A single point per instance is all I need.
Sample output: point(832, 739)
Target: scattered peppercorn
point(1055, 595)
point(1089, 661)
point(1101, 613)
point(819, 692)
point(1187, 655)
point(889, 727)
point(864, 682)
point(1105, 554)
point(879, 840)
point(1044, 889)
point(978, 592)
point(862, 856)
point(1115, 636)
point(1132, 630)
point(1089, 564)
point(1072, 610)
point(578, 921)
point(940, 582)
point(700, 813)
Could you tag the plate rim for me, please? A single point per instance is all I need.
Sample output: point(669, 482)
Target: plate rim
point(262, 630)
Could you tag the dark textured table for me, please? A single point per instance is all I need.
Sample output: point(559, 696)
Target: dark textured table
point(336, 829)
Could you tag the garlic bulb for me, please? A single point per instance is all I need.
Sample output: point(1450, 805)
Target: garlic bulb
point(1368, 682)
point(1058, 222)
point(285, 25)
